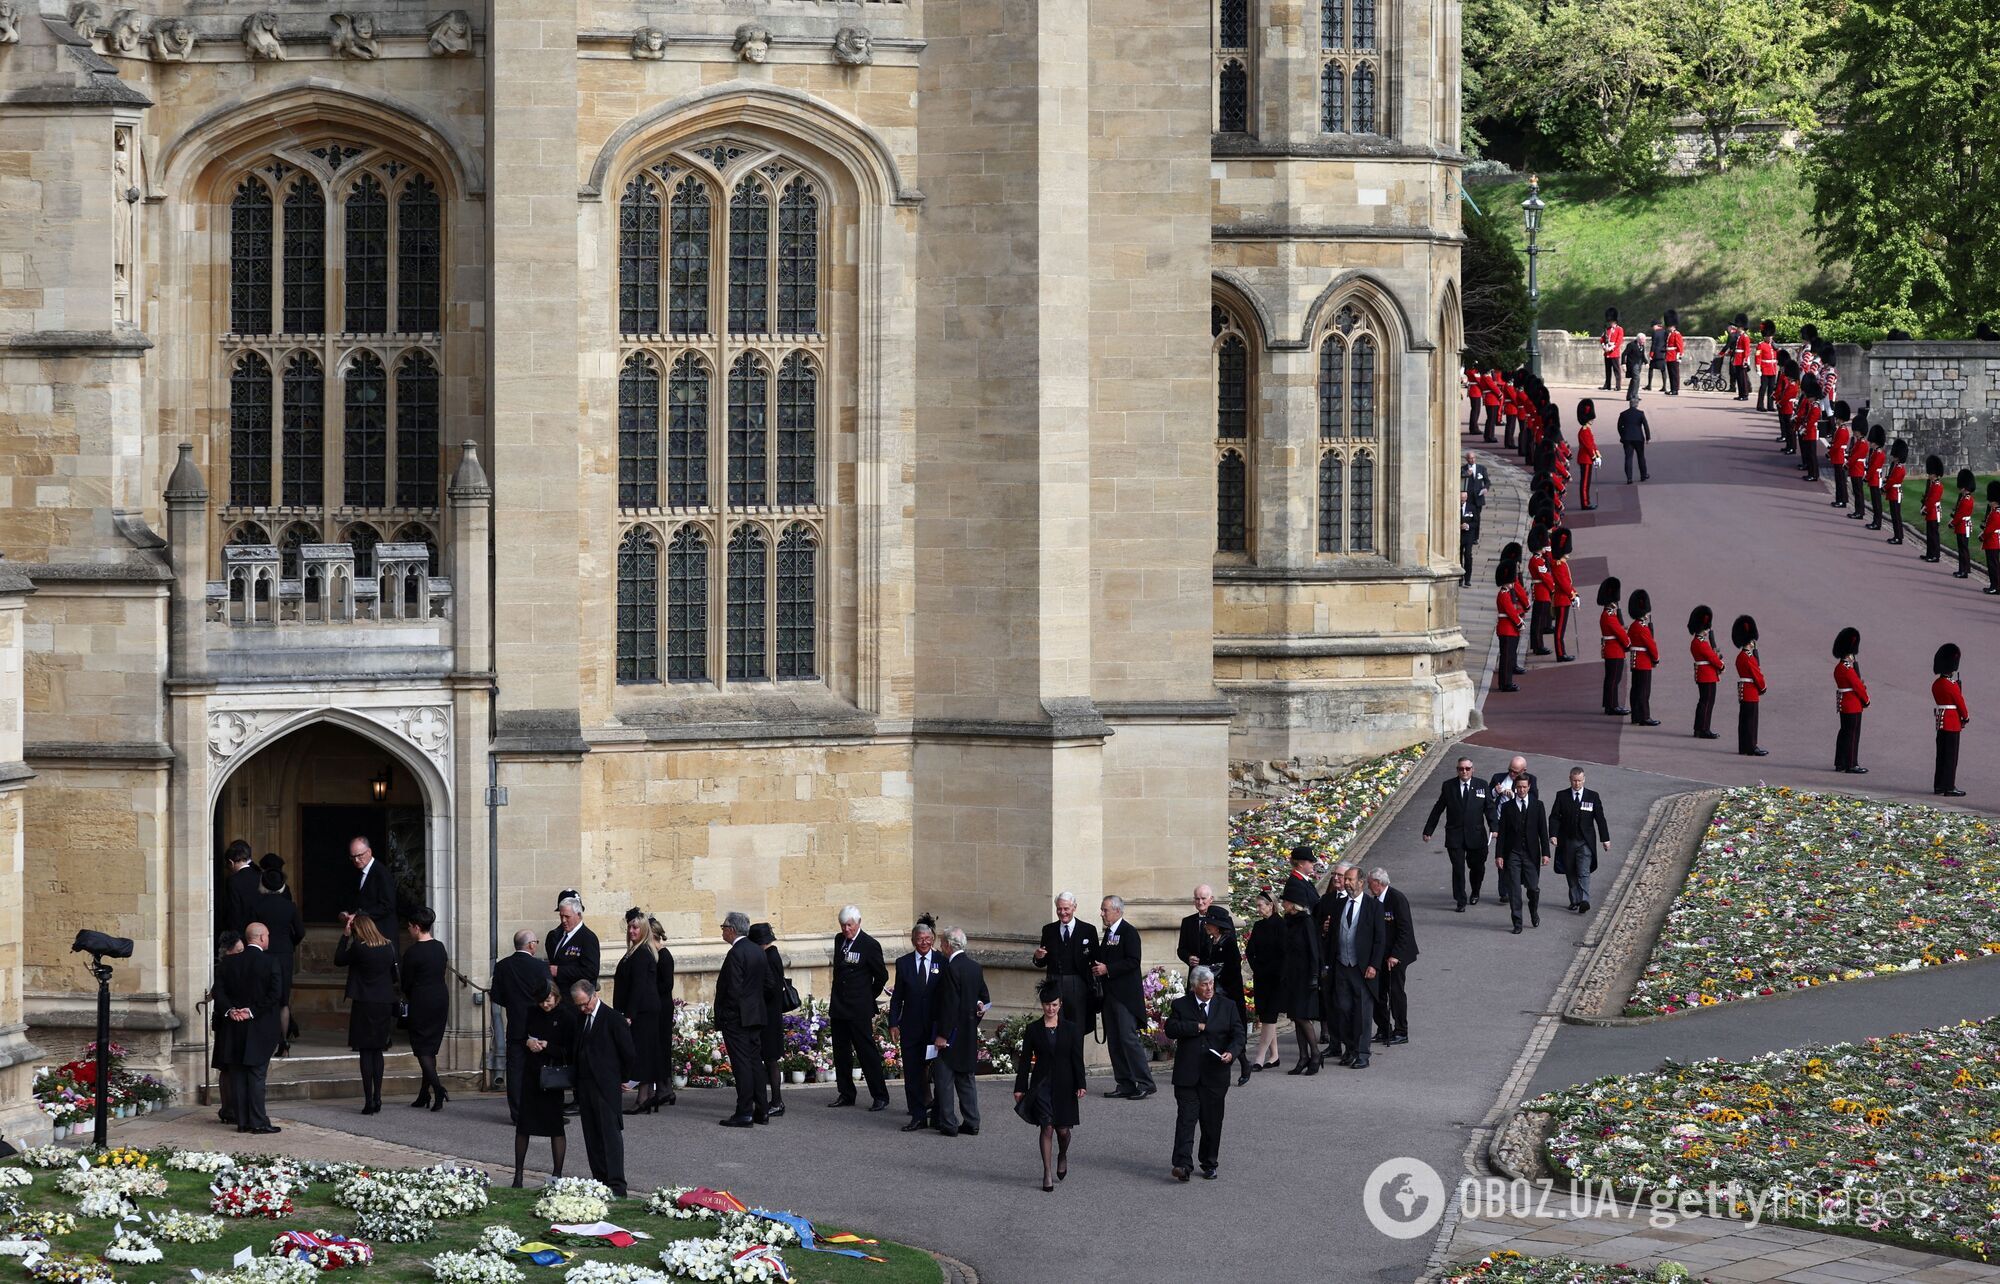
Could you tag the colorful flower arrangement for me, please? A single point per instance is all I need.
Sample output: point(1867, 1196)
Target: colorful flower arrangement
point(746, 1230)
point(1161, 987)
point(1897, 1137)
point(68, 1093)
point(1325, 814)
point(662, 1203)
point(130, 1244)
point(69, 1268)
point(249, 1200)
point(719, 1259)
point(1792, 889)
point(122, 1157)
point(808, 1039)
point(41, 1224)
point(177, 1227)
point(568, 1200)
point(1505, 1266)
point(475, 1268)
point(323, 1250)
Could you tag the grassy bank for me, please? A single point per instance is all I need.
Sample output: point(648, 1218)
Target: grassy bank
point(1710, 245)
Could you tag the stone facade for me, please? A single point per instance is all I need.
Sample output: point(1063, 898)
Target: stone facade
point(1943, 397)
point(361, 457)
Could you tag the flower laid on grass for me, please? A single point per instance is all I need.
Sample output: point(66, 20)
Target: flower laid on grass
point(1896, 1137)
point(323, 1250)
point(69, 1268)
point(139, 1183)
point(569, 1200)
point(475, 1268)
point(499, 1239)
point(48, 1157)
point(16, 1177)
point(177, 1227)
point(720, 1259)
point(746, 1230)
point(268, 1270)
point(200, 1161)
point(44, 1224)
point(103, 1203)
point(1504, 1266)
point(132, 1245)
point(122, 1157)
point(249, 1201)
point(395, 1225)
point(1325, 814)
point(1792, 889)
point(406, 1195)
point(612, 1273)
point(662, 1204)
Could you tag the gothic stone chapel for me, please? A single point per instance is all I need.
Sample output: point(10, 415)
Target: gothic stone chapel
point(801, 452)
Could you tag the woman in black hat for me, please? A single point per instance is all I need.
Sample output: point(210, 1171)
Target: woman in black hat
point(1049, 1082)
point(1948, 703)
point(1961, 522)
point(1613, 642)
point(1989, 537)
point(1645, 653)
point(1933, 507)
point(1749, 686)
point(1301, 979)
point(1892, 488)
point(1707, 670)
point(1852, 694)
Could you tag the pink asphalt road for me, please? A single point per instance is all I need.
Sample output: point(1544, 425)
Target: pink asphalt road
point(1728, 521)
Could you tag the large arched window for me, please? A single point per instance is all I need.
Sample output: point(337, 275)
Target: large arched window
point(1350, 68)
point(639, 606)
point(1234, 412)
point(1231, 66)
point(1350, 395)
point(721, 283)
point(335, 255)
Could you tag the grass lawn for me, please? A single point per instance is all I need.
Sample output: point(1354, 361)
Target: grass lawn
point(1709, 245)
point(315, 1210)
point(1913, 506)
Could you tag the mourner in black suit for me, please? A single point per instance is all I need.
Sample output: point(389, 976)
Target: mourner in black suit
point(1517, 772)
point(1577, 824)
point(961, 1000)
point(277, 911)
point(1331, 902)
point(1461, 801)
point(374, 890)
point(519, 981)
point(1068, 953)
point(1222, 954)
point(1119, 966)
point(221, 1048)
point(1049, 1082)
point(1207, 1030)
point(603, 1058)
point(663, 977)
point(1523, 848)
point(859, 975)
point(241, 887)
point(248, 989)
point(1299, 886)
point(571, 947)
point(1194, 929)
point(1355, 951)
point(910, 1025)
point(740, 1015)
point(1399, 950)
point(548, 1036)
point(425, 978)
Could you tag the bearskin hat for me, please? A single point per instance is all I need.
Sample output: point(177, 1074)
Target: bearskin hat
point(1561, 541)
point(1767, 329)
point(1842, 411)
point(1993, 491)
point(1876, 436)
point(1742, 321)
point(1510, 551)
point(1899, 450)
point(1933, 465)
point(1610, 591)
point(1848, 642)
point(1586, 411)
point(1673, 318)
point(1640, 606)
point(1700, 620)
point(1966, 480)
point(1809, 334)
point(1611, 314)
point(1505, 576)
point(1810, 388)
point(1945, 662)
point(1743, 632)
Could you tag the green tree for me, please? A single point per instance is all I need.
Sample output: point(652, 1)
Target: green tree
point(1495, 284)
point(1485, 29)
point(1908, 187)
point(1735, 60)
point(1594, 76)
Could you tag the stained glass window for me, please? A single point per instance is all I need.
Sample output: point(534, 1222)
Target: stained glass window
point(798, 429)
point(687, 282)
point(1232, 388)
point(797, 597)
point(1332, 23)
point(1364, 24)
point(749, 442)
point(1233, 32)
point(798, 259)
point(419, 248)
point(1364, 98)
point(749, 254)
point(1332, 372)
point(687, 606)
point(250, 259)
point(304, 437)
point(1332, 99)
point(1329, 503)
point(367, 257)
point(297, 535)
point(1231, 504)
point(1232, 114)
point(687, 433)
point(250, 432)
point(305, 259)
point(744, 627)
point(1361, 533)
point(362, 538)
point(418, 457)
point(638, 607)
point(639, 258)
point(1361, 385)
point(639, 434)
point(366, 433)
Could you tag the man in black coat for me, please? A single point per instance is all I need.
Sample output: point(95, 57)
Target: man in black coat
point(1356, 951)
point(571, 947)
point(240, 889)
point(1633, 434)
point(1299, 887)
point(1517, 772)
point(858, 977)
point(1207, 1030)
point(1118, 966)
point(740, 1015)
point(519, 982)
point(277, 911)
point(1068, 953)
point(1191, 947)
point(961, 1000)
point(910, 1025)
point(603, 1058)
point(1329, 907)
point(250, 991)
point(374, 890)
point(1399, 950)
point(1461, 801)
point(1523, 830)
point(1577, 824)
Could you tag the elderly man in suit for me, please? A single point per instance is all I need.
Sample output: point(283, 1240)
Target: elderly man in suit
point(1522, 828)
point(1207, 1030)
point(1522, 779)
point(519, 981)
point(1192, 945)
point(571, 947)
point(911, 1024)
point(374, 890)
point(961, 1000)
point(858, 977)
point(1577, 826)
point(1356, 951)
point(1119, 967)
point(1461, 801)
point(604, 1058)
point(250, 992)
point(1399, 950)
point(1068, 953)
point(740, 1014)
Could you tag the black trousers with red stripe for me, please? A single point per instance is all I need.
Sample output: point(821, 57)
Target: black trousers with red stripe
point(1614, 673)
point(1946, 775)
point(1704, 708)
point(1746, 726)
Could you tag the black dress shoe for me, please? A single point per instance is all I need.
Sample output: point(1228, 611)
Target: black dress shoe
point(734, 1121)
point(1360, 1063)
point(764, 1118)
point(1760, 753)
point(1564, 659)
point(1708, 735)
point(1398, 1039)
point(916, 1125)
point(1474, 900)
point(774, 1112)
point(1180, 1174)
point(1347, 1060)
point(1119, 1094)
point(1583, 907)
point(1647, 722)
point(265, 1132)
point(1208, 1174)
point(969, 1131)
point(1144, 1093)
point(1459, 908)
point(1300, 1068)
point(878, 1105)
point(1619, 713)
point(1857, 771)
point(1951, 793)
point(1534, 918)
point(838, 1102)
point(1509, 687)
point(947, 1132)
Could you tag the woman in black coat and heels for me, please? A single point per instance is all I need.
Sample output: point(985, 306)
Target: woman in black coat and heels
point(774, 1008)
point(636, 994)
point(664, 1072)
point(1301, 982)
point(425, 969)
point(1049, 1083)
point(1265, 952)
point(371, 993)
point(551, 1030)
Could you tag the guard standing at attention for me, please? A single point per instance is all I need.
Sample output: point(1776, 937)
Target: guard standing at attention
point(1857, 464)
point(1852, 696)
point(1989, 537)
point(1612, 344)
point(1563, 595)
point(1542, 576)
point(1507, 626)
point(1645, 653)
point(1707, 670)
point(1510, 555)
point(1492, 395)
point(1875, 468)
point(1948, 700)
point(1676, 345)
point(1787, 397)
point(1836, 452)
point(1614, 642)
point(1961, 522)
point(1933, 507)
point(1587, 456)
point(1749, 686)
point(1892, 488)
point(1767, 368)
point(1806, 417)
point(1739, 356)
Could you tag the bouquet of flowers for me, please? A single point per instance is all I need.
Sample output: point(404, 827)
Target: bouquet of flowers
point(745, 1230)
point(474, 1268)
point(177, 1227)
point(612, 1273)
point(48, 1157)
point(499, 1239)
point(122, 1157)
point(716, 1259)
point(574, 1199)
point(698, 1050)
point(250, 1201)
point(446, 1190)
point(331, 1171)
point(16, 1177)
point(396, 1225)
point(23, 1246)
point(661, 1204)
point(41, 1225)
point(998, 1050)
point(1162, 986)
point(269, 1270)
point(200, 1161)
point(69, 1268)
point(806, 1039)
point(137, 1182)
point(1505, 1266)
point(103, 1203)
point(323, 1250)
point(131, 1245)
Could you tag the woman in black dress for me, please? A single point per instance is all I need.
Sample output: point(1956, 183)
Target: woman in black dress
point(664, 1072)
point(1265, 951)
point(1049, 1082)
point(551, 1030)
point(636, 995)
point(371, 992)
point(774, 1010)
point(276, 910)
point(1301, 981)
point(425, 969)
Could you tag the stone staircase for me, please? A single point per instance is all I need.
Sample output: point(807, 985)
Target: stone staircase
point(320, 1069)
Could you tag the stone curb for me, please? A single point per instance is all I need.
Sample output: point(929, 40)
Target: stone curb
point(955, 1271)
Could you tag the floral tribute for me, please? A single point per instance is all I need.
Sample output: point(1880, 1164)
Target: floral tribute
point(1896, 1137)
point(69, 1268)
point(474, 1268)
point(131, 1244)
point(48, 1157)
point(249, 1199)
point(1325, 814)
point(724, 1260)
point(68, 1093)
point(177, 1227)
point(1792, 889)
point(130, 1180)
point(570, 1200)
point(323, 1250)
point(41, 1224)
point(16, 1177)
point(1505, 1266)
point(1161, 987)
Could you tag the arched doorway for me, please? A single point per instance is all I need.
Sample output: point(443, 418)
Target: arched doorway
point(304, 796)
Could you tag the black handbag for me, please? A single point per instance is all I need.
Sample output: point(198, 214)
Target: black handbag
point(557, 1078)
point(792, 1002)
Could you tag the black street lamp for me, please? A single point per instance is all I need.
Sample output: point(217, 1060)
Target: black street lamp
point(1531, 214)
point(101, 947)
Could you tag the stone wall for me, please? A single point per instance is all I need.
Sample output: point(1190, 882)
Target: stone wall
point(1943, 398)
point(1578, 360)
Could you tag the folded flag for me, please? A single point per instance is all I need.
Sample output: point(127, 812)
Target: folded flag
point(617, 1235)
point(814, 1241)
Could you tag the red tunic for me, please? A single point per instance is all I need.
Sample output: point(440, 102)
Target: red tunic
point(1611, 634)
point(1836, 453)
point(1507, 623)
point(1489, 388)
point(1707, 664)
point(1876, 458)
point(1645, 651)
point(1961, 514)
point(1545, 581)
point(1893, 483)
point(1565, 588)
point(1520, 592)
point(1586, 445)
point(1739, 351)
point(1614, 339)
point(1809, 424)
point(1933, 499)
point(1749, 678)
point(1767, 357)
point(1857, 460)
point(1990, 537)
point(1948, 703)
point(1675, 345)
point(1850, 690)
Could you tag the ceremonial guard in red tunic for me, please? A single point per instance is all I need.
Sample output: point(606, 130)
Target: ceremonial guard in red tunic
point(1587, 457)
point(1612, 344)
point(1766, 356)
point(1836, 452)
point(1933, 507)
point(1507, 626)
point(1948, 703)
point(1892, 488)
point(1749, 686)
point(1541, 574)
point(1857, 465)
point(1563, 595)
point(1613, 642)
point(1872, 468)
point(1961, 522)
point(1645, 653)
point(1676, 345)
point(1510, 556)
point(1739, 356)
point(1491, 395)
point(1707, 670)
point(1989, 536)
point(1806, 418)
point(1851, 698)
